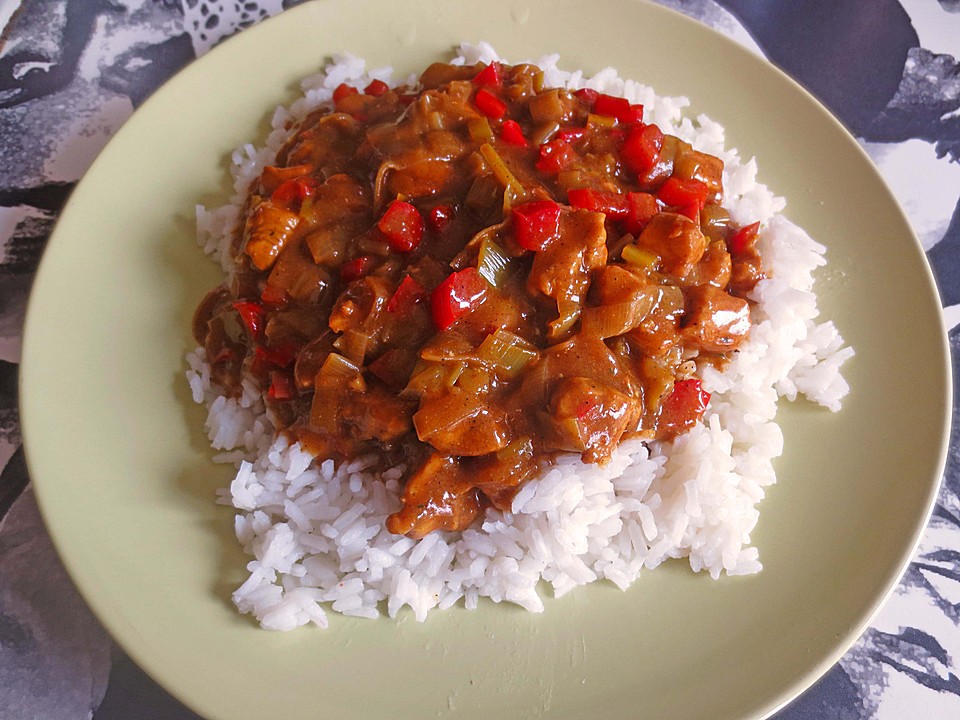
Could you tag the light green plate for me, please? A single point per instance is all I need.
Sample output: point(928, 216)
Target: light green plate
point(126, 484)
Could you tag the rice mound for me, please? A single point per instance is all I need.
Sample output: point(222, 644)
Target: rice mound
point(316, 533)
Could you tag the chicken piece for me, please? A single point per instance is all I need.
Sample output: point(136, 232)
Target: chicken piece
point(268, 229)
point(659, 329)
point(360, 306)
point(413, 175)
point(377, 414)
point(676, 240)
point(461, 423)
point(745, 273)
point(341, 210)
point(583, 355)
point(590, 418)
point(438, 496)
point(616, 284)
point(715, 321)
point(330, 142)
point(714, 267)
point(562, 270)
point(295, 273)
point(499, 475)
point(694, 165)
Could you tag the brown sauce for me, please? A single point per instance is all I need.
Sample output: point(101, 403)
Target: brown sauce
point(473, 275)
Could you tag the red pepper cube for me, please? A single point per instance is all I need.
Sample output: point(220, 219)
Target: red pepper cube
point(614, 205)
point(357, 268)
point(456, 296)
point(554, 157)
point(691, 210)
point(641, 207)
point(440, 216)
point(536, 223)
point(512, 134)
point(587, 96)
point(681, 193)
point(376, 88)
point(393, 367)
point(273, 295)
point(489, 104)
point(281, 386)
point(251, 314)
point(570, 135)
point(684, 406)
point(611, 106)
point(290, 194)
point(402, 225)
point(744, 238)
point(641, 148)
point(490, 75)
point(633, 115)
point(343, 90)
point(408, 294)
point(282, 356)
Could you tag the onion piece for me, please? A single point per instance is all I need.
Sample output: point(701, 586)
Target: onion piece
point(492, 262)
point(608, 321)
point(500, 170)
point(569, 314)
point(506, 354)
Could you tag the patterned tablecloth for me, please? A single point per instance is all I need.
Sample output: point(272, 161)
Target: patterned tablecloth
point(72, 71)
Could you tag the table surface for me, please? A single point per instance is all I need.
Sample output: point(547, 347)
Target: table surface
point(72, 71)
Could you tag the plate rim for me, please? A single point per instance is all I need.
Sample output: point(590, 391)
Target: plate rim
point(30, 427)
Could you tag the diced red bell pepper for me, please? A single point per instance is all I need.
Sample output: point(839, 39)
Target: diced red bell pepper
point(536, 223)
point(290, 193)
point(281, 356)
point(632, 116)
point(225, 355)
point(408, 294)
point(272, 176)
point(613, 204)
point(392, 367)
point(512, 134)
point(343, 90)
point(376, 88)
point(570, 135)
point(641, 207)
point(641, 148)
point(490, 75)
point(744, 238)
point(440, 216)
point(619, 108)
point(273, 295)
point(587, 95)
point(357, 268)
point(456, 296)
point(251, 313)
point(489, 104)
point(281, 386)
point(691, 210)
point(684, 407)
point(402, 225)
point(611, 106)
point(680, 193)
point(554, 157)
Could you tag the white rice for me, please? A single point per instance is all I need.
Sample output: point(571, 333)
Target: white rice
point(316, 534)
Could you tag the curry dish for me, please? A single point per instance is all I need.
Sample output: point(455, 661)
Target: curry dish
point(473, 275)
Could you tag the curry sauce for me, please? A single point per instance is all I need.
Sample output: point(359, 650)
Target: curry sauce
point(470, 276)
